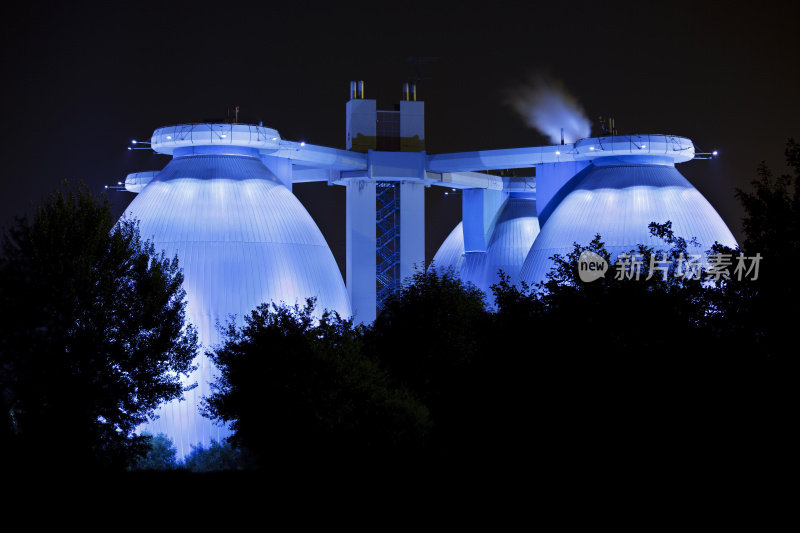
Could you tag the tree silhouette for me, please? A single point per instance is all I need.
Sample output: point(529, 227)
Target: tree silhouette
point(219, 456)
point(430, 338)
point(772, 229)
point(605, 363)
point(161, 455)
point(298, 390)
point(92, 335)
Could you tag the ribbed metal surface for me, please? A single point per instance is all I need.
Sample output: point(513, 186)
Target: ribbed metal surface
point(510, 237)
point(242, 238)
point(618, 202)
point(451, 252)
point(514, 232)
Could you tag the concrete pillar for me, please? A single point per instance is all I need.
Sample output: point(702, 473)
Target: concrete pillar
point(361, 262)
point(412, 228)
point(281, 167)
point(551, 185)
point(479, 207)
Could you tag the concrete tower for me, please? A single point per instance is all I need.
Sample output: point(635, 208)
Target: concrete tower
point(386, 209)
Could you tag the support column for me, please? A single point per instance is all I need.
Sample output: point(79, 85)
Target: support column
point(479, 207)
point(552, 185)
point(412, 228)
point(361, 262)
point(281, 167)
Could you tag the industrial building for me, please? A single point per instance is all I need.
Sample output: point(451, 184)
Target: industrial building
point(224, 205)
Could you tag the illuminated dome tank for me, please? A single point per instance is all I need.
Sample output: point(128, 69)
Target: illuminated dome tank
point(242, 238)
point(630, 182)
point(511, 235)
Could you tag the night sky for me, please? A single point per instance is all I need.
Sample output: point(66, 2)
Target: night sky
point(80, 81)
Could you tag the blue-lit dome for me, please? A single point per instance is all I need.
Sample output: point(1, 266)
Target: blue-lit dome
point(510, 237)
point(618, 200)
point(242, 238)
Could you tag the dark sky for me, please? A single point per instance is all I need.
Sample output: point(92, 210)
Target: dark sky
point(81, 80)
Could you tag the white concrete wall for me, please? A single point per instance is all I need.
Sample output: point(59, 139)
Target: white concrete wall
point(412, 227)
point(361, 263)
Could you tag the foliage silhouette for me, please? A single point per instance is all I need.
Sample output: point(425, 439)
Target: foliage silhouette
point(772, 228)
point(219, 456)
point(429, 337)
point(92, 335)
point(297, 389)
point(162, 454)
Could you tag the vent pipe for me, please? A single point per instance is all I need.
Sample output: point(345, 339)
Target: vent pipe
point(414, 91)
point(361, 89)
point(405, 92)
point(352, 90)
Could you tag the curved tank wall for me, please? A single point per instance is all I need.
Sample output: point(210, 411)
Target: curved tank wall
point(510, 237)
point(451, 253)
point(242, 239)
point(618, 201)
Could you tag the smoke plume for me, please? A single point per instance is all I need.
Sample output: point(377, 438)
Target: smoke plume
point(546, 105)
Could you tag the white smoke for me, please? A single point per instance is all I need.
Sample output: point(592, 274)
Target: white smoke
point(546, 105)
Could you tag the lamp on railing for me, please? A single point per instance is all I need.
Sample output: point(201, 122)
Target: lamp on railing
point(120, 186)
point(135, 145)
point(706, 155)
